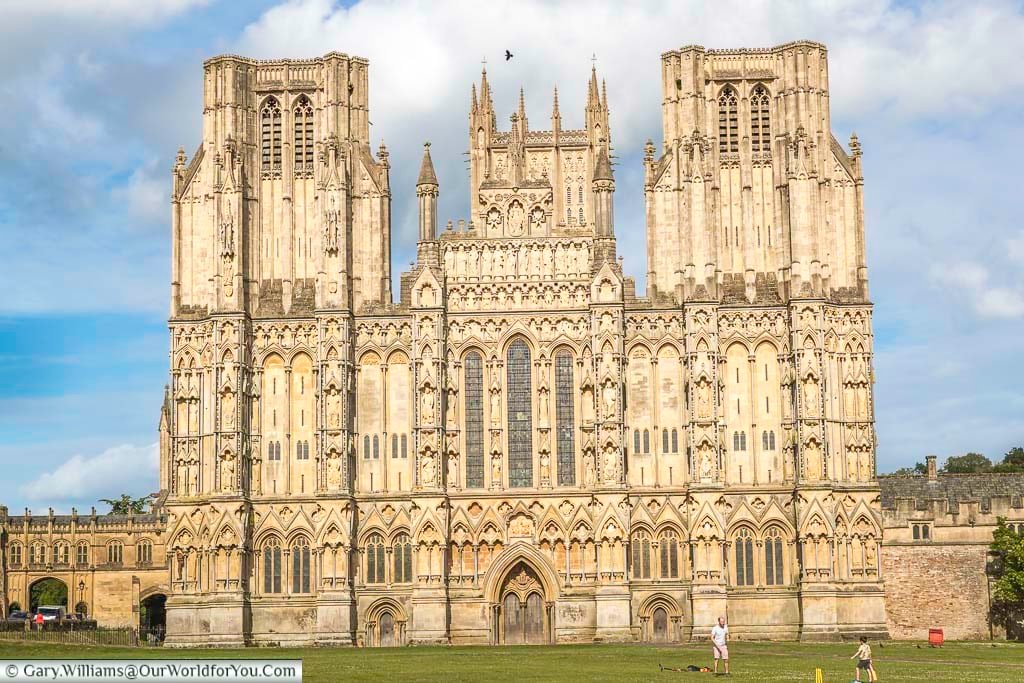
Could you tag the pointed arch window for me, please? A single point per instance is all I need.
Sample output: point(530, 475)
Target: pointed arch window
point(300, 566)
point(402, 557)
point(668, 546)
point(771, 440)
point(520, 415)
point(474, 392)
point(664, 441)
point(675, 440)
point(744, 545)
point(647, 441)
point(760, 120)
point(641, 555)
point(15, 554)
point(115, 553)
point(375, 559)
point(394, 446)
point(565, 422)
point(728, 122)
point(773, 558)
point(376, 447)
point(366, 447)
point(144, 553)
point(270, 138)
point(81, 555)
point(271, 566)
point(303, 144)
point(636, 441)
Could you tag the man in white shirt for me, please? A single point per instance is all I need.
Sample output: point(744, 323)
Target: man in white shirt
point(719, 643)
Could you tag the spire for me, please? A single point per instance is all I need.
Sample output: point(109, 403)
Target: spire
point(522, 111)
point(473, 103)
point(592, 95)
point(427, 175)
point(485, 91)
point(555, 114)
point(603, 170)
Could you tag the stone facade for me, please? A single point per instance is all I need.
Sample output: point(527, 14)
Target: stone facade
point(521, 449)
point(938, 529)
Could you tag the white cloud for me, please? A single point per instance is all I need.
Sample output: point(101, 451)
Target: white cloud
point(973, 280)
point(147, 193)
point(85, 479)
point(141, 11)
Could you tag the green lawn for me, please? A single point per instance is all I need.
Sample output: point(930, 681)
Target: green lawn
point(751, 661)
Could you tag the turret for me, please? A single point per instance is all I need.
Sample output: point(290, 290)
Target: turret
point(603, 185)
point(426, 194)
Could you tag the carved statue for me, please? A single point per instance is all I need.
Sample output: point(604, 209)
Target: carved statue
point(495, 407)
point(428, 470)
point(227, 236)
point(611, 465)
point(451, 412)
point(704, 399)
point(516, 219)
point(228, 410)
point(453, 470)
point(427, 405)
point(706, 463)
point(496, 469)
point(545, 467)
point(608, 396)
point(334, 470)
point(542, 409)
point(810, 397)
point(812, 461)
point(589, 471)
point(333, 408)
point(332, 220)
point(865, 466)
point(227, 472)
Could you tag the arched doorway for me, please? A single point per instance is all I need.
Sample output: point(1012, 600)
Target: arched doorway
point(385, 624)
point(387, 630)
point(153, 615)
point(522, 613)
point(48, 592)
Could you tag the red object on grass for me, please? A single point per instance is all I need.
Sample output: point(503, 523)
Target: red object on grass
point(935, 637)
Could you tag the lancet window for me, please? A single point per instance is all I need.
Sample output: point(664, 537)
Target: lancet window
point(401, 554)
point(474, 392)
point(668, 546)
point(303, 144)
point(773, 558)
point(760, 120)
point(271, 566)
point(520, 415)
point(728, 122)
point(300, 566)
point(564, 419)
point(641, 555)
point(375, 559)
point(744, 547)
point(270, 137)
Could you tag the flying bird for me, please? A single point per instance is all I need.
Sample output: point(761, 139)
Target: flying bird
point(508, 55)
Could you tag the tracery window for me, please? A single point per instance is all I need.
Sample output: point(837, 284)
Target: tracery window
point(641, 555)
point(272, 566)
point(144, 552)
point(474, 392)
point(303, 138)
point(115, 553)
point(773, 558)
point(668, 546)
point(401, 555)
point(375, 559)
point(565, 422)
point(728, 122)
point(270, 136)
point(81, 555)
point(760, 120)
point(744, 543)
point(15, 554)
point(300, 565)
point(520, 415)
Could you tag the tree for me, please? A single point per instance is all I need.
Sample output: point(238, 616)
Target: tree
point(918, 469)
point(1013, 461)
point(970, 463)
point(1006, 566)
point(126, 504)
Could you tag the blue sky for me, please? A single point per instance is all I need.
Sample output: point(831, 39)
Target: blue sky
point(99, 94)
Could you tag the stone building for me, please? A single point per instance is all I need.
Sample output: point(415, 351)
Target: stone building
point(111, 565)
point(520, 448)
point(938, 529)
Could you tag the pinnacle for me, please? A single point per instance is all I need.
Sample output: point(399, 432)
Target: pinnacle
point(603, 170)
point(427, 175)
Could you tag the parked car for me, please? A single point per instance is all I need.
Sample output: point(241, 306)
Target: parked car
point(18, 617)
point(51, 612)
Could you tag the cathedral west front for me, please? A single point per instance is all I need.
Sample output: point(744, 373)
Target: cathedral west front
point(517, 447)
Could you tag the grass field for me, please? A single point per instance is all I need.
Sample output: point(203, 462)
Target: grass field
point(751, 661)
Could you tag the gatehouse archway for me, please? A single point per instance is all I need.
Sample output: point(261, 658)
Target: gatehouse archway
point(47, 591)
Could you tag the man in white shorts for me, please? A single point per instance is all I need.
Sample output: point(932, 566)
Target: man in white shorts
point(719, 643)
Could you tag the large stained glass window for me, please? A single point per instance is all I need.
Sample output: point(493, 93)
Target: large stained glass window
point(520, 416)
point(474, 397)
point(565, 423)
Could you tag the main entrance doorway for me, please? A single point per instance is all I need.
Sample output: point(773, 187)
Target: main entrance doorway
point(523, 620)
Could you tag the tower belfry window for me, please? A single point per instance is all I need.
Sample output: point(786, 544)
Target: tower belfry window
point(760, 121)
point(303, 143)
point(270, 137)
point(728, 122)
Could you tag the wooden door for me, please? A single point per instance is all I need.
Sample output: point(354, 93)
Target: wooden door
point(660, 620)
point(387, 630)
point(512, 620)
point(534, 626)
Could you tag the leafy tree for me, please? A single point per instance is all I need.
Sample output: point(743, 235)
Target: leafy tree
point(126, 504)
point(1006, 566)
point(918, 469)
point(970, 463)
point(48, 592)
point(1013, 461)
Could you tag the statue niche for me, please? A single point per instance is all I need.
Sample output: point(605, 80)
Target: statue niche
point(516, 219)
